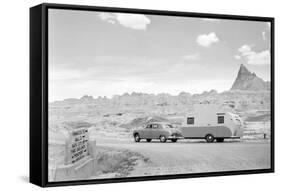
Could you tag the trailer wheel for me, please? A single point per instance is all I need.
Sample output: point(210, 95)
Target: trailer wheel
point(137, 137)
point(162, 138)
point(148, 140)
point(220, 140)
point(209, 138)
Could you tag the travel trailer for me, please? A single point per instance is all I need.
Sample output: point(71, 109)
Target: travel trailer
point(212, 123)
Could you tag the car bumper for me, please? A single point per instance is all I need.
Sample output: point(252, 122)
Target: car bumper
point(175, 137)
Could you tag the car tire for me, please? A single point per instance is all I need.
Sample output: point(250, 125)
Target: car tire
point(174, 140)
point(148, 140)
point(162, 138)
point(220, 140)
point(209, 138)
point(137, 137)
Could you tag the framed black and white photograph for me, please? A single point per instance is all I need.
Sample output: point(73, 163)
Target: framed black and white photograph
point(122, 94)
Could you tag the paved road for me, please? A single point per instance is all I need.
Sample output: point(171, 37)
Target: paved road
point(191, 157)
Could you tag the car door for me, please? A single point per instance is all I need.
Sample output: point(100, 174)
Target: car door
point(156, 131)
point(162, 131)
point(146, 132)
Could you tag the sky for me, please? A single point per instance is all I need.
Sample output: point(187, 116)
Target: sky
point(106, 54)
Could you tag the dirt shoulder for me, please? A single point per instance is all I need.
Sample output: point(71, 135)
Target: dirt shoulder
point(115, 162)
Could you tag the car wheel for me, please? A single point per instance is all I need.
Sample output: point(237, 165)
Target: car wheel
point(148, 140)
point(162, 138)
point(137, 137)
point(209, 138)
point(174, 140)
point(220, 140)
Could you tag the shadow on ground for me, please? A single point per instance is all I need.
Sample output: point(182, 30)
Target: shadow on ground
point(24, 178)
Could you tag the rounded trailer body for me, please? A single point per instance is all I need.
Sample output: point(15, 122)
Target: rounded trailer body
point(211, 124)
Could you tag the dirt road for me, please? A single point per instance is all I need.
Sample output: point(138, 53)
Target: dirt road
point(192, 157)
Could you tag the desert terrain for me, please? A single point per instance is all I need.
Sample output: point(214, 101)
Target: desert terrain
point(111, 122)
point(120, 156)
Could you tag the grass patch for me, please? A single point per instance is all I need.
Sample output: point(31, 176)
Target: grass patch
point(118, 162)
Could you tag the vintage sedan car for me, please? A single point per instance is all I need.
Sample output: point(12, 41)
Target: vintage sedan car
point(157, 130)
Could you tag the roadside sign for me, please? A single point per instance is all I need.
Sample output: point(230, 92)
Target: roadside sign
point(77, 145)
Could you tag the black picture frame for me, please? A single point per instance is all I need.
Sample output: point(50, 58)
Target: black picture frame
point(39, 93)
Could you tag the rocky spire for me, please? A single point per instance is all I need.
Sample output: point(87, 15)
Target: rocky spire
point(243, 71)
point(246, 80)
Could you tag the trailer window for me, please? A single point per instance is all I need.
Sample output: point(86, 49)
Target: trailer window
point(190, 120)
point(220, 119)
point(154, 126)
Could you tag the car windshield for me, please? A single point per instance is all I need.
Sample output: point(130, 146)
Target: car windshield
point(168, 126)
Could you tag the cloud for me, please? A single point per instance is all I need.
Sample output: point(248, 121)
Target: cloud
point(212, 20)
point(263, 35)
point(261, 58)
point(109, 17)
point(254, 58)
point(191, 57)
point(206, 40)
point(266, 32)
point(237, 57)
point(245, 50)
point(133, 21)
